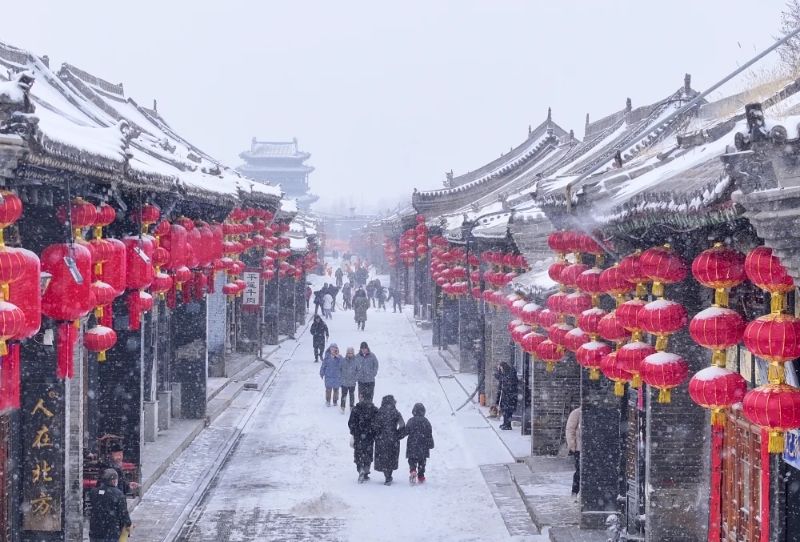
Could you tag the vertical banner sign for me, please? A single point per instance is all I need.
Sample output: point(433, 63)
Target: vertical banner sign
point(251, 296)
point(43, 464)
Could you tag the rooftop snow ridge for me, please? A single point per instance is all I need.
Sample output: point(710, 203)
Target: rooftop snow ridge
point(95, 81)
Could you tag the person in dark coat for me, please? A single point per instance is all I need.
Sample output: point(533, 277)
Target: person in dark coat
point(113, 460)
point(351, 277)
point(419, 443)
point(371, 292)
point(319, 295)
point(347, 294)
point(388, 432)
point(362, 428)
point(319, 334)
point(360, 306)
point(334, 291)
point(362, 275)
point(380, 295)
point(109, 514)
point(506, 376)
point(339, 277)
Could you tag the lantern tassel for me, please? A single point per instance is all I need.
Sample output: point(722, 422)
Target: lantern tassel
point(776, 442)
point(718, 358)
point(721, 297)
point(619, 388)
point(777, 302)
point(665, 395)
point(718, 417)
point(3, 348)
point(641, 289)
point(594, 374)
point(658, 289)
point(64, 350)
point(661, 343)
point(549, 367)
point(776, 373)
point(637, 381)
point(98, 232)
point(98, 312)
point(2, 238)
point(101, 355)
point(134, 310)
point(599, 260)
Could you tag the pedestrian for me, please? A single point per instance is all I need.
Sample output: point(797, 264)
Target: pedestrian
point(371, 292)
point(362, 429)
point(360, 307)
point(397, 305)
point(319, 335)
point(309, 293)
point(506, 376)
point(351, 277)
point(361, 276)
point(349, 377)
point(367, 364)
point(330, 372)
point(327, 303)
point(113, 460)
point(329, 270)
point(347, 293)
point(419, 443)
point(334, 291)
point(574, 444)
point(380, 295)
point(339, 277)
point(318, 295)
point(109, 516)
point(388, 432)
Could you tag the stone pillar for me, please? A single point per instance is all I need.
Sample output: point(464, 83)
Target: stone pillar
point(164, 409)
point(470, 333)
point(73, 464)
point(150, 422)
point(216, 314)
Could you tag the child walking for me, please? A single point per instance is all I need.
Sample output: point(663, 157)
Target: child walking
point(419, 444)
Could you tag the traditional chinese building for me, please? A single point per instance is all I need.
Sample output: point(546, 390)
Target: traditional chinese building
point(280, 163)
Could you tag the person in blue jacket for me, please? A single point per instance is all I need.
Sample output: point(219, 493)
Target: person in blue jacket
point(330, 372)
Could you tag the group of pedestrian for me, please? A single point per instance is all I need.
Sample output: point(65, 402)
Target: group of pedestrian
point(348, 372)
point(376, 435)
point(325, 298)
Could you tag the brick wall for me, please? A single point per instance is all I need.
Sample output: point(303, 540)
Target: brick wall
point(73, 465)
point(553, 396)
point(497, 348)
point(470, 334)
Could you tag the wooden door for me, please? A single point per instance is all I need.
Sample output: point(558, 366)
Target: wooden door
point(741, 480)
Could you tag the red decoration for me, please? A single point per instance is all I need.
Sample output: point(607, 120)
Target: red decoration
point(531, 341)
point(576, 303)
point(569, 276)
point(589, 282)
point(12, 319)
point(720, 268)
point(631, 270)
point(774, 337)
point(99, 339)
point(628, 316)
point(614, 284)
point(663, 265)
point(147, 215)
point(717, 329)
point(717, 388)
point(558, 332)
point(10, 211)
point(550, 352)
point(230, 290)
point(103, 295)
point(591, 355)
point(547, 318)
point(530, 314)
point(556, 302)
point(614, 371)
point(589, 321)
point(775, 408)
point(611, 329)
point(766, 272)
point(556, 242)
point(519, 332)
point(555, 271)
point(12, 263)
point(631, 356)
point(575, 338)
point(662, 318)
point(664, 371)
point(26, 293)
point(82, 214)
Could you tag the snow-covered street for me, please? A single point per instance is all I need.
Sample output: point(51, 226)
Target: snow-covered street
point(292, 476)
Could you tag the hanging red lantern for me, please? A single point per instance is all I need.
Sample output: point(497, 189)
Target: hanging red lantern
point(519, 332)
point(161, 284)
point(631, 356)
point(774, 337)
point(10, 211)
point(514, 323)
point(139, 257)
point(614, 284)
point(571, 240)
point(476, 292)
point(530, 314)
point(268, 274)
point(614, 371)
point(231, 290)
point(555, 270)
point(550, 353)
point(182, 275)
point(662, 265)
point(26, 293)
point(590, 246)
point(66, 300)
point(589, 321)
point(556, 243)
point(766, 272)
point(531, 341)
point(717, 388)
point(145, 301)
point(576, 303)
point(664, 371)
point(719, 268)
point(82, 215)
point(717, 329)
point(558, 332)
point(547, 318)
point(589, 282)
point(103, 295)
point(631, 270)
point(516, 308)
point(590, 355)
point(99, 339)
point(175, 242)
point(569, 276)
point(774, 407)
point(115, 270)
point(105, 216)
point(146, 215)
point(611, 329)
point(12, 264)
point(575, 338)
point(628, 316)
point(12, 319)
point(662, 318)
point(241, 285)
point(556, 302)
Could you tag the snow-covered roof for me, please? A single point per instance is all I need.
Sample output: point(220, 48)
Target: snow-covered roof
point(274, 149)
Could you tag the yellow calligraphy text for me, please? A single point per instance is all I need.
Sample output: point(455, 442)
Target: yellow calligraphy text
point(41, 505)
point(42, 439)
point(41, 408)
point(42, 472)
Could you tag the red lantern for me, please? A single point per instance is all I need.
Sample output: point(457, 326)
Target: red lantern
point(775, 408)
point(12, 319)
point(10, 211)
point(519, 332)
point(575, 338)
point(591, 355)
point(614, 371)
point(12, 263)
point(530, 314)
point(631, 270)
point(664, 371)
point(145, 301)
point(628, 316)
point(720, 268)
point(663, 265)
point(774, 337)
point(82, 214)
point(115, 270)
point(147, 215)
point(766, 272)
point(105, 216)
point(662, 318)
point(558, 332)
point(589, 282)
point(476, 292)
point(64, 299)
point(611, 329)
point(175, 242)
point(556, 242)
point(99, 339)
point(717, 329)
point(717, 388)
point(103, 295)
point(26, 293)
point(547, 318)
point(631, 356)
point(556, 302)
point(182, 274)
point(590, 246)
point(555, 271)
point(589, 321)
point(569, 276)
point(531, 341)
point(514, 323)
point(550, 352)
point(572, 241)
point(614, 284)
point(230, 290)
point(576, 303)
point(161, 283)
point(516, 308)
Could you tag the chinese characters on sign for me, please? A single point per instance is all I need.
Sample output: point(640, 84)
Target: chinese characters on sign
point(251, 298)
point(43, 477)
point(791, 451)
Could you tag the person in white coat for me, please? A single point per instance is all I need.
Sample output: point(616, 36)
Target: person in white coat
point(327, 305)
point(574, 443)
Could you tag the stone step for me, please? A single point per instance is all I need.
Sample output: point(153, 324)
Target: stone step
point(507, 497)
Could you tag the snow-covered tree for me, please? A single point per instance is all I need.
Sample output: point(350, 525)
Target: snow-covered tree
point(790, 51)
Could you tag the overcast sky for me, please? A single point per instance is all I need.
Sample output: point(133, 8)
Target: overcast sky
point(387, 96)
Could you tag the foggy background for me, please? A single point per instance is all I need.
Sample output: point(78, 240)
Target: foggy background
point(388, 96)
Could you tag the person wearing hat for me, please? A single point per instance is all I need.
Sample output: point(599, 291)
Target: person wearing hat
point(113, 460)
point(366, 370)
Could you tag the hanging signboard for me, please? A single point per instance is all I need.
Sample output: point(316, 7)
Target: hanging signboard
point(43, 457)
point(791, 451)
point(251, 296)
